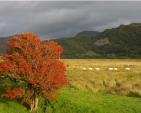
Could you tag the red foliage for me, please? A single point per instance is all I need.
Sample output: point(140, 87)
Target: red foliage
point(13, 93)
point(34, 63)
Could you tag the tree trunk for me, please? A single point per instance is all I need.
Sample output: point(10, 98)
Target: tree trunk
point(34, 103)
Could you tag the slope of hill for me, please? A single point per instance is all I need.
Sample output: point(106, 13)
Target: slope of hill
point(124, 42)
point(3, 42)
point(88, 33)
point(121, 42)
point(78, 47)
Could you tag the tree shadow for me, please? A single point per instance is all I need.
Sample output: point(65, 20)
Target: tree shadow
point(6, 101)
point(3, 91)
point(43, 105)
point(131, 94)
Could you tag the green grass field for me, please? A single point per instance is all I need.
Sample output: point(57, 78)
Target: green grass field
point(73, 101)
point(91, 91)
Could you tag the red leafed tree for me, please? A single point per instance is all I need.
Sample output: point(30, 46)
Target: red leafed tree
point(33, 69)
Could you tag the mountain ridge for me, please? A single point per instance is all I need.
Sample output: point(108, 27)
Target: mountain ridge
point(120, 42)
point(88, 33)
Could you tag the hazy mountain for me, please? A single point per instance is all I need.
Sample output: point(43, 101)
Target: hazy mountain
point(121, 42)
point(88, 33)
point(3, 41)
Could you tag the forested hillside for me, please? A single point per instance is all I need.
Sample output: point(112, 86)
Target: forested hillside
point(88, 33)
point(121, 42)
point(78, 47)
point(124, 42)
point(3, 42)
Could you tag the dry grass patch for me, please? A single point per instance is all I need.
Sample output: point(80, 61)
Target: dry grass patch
point(120, 81)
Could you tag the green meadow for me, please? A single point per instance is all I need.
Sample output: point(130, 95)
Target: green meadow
point(92, 91)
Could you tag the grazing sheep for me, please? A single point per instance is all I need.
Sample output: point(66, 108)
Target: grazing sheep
point(91, 69)
point(97, 69)
point(84, 69)
point(116, 69)
point(127, 69)
point(110, 69)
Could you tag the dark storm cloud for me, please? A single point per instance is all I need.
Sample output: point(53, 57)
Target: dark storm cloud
point(64, 19)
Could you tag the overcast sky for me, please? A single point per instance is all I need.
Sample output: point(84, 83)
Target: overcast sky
point(65, 19)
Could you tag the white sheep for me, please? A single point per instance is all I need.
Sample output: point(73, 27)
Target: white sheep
point(116, 69)
point(84, 69)
point(90, 69)
point(97, 69)
point(110, 69)
point(127, 69)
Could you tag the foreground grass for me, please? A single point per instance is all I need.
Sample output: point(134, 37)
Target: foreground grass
point(7, 106)
point(74, 101)
point(90, 91)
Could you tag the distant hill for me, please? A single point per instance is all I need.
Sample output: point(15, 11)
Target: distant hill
point(3, 41)
point(124, 42)
point(88, 33)
point(121, 42)
point(77, 47)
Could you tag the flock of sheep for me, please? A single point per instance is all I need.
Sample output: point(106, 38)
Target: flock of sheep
point(110, 69)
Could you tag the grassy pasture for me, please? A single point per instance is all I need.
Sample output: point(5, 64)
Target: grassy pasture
point(90, 90)
point(121, 81)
